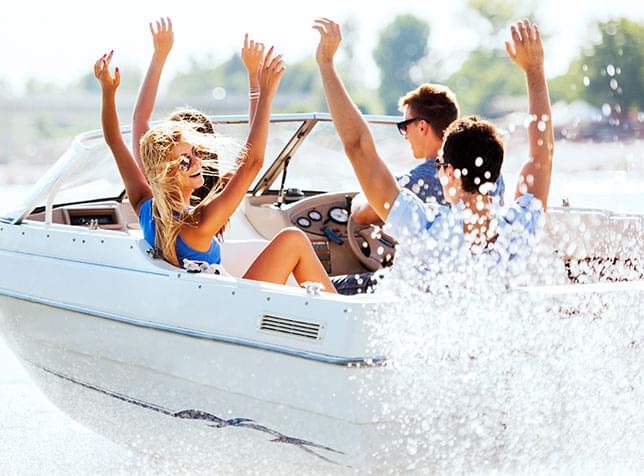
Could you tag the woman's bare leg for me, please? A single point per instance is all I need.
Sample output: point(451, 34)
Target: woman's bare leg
point(289, 252)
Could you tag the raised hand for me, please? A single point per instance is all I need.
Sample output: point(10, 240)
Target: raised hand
point(252, 54)
point(108, 82)
point(527, 50)
point(270, 73)
point(162, 36)
point(330, 38)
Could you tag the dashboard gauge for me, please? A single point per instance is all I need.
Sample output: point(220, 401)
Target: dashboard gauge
point(339, 215)
point(303, 222)
point(315, 215)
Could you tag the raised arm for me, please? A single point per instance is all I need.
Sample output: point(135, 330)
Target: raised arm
point(162, 39)
point(252, 54)
point(377, 182)
point(136, 185)
point(217, 212)
point(527, 52)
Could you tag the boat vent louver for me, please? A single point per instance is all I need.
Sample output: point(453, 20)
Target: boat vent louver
point(309, 330)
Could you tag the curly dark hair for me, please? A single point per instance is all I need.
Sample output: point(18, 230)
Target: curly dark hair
point(473, 146)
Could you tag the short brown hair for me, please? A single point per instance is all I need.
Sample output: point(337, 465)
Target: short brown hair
point(197, 119)
point(474, 147)
point(433, 102)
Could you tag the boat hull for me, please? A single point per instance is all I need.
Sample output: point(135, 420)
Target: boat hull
point(188, 399)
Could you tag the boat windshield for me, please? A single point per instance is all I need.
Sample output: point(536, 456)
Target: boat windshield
point(87, 171)
point(321, 165)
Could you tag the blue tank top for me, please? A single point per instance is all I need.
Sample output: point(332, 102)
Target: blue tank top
point(212, 256)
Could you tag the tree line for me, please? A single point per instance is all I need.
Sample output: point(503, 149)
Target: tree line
point(608, 71)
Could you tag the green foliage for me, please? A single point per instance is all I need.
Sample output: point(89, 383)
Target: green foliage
point(610, 71)
point(131, 78)
point(35, 87)
point(302, 77)
point(203, 77)
point(401, 45)
point(485, 75)
point(500, 13)
point(196, 80)
point(5, 89)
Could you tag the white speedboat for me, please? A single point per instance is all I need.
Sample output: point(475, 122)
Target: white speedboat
point(213, 366)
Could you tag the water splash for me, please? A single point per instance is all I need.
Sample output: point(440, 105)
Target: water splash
point(485, 376)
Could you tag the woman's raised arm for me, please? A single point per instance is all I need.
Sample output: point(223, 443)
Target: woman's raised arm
point(252, 54)
point(218, 211)
point(162, 39)
point(136, 185)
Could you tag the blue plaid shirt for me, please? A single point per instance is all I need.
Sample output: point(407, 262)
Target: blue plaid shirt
point(424, 182)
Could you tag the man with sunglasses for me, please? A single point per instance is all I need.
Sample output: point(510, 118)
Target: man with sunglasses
point(472, 155)
point(428, 111)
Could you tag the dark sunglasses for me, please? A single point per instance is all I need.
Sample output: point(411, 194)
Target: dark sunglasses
point(402, 125)
point(440, 164)
point(185, 160)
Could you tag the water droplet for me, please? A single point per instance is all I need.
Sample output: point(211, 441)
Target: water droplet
point(218, 93)
point(412, 446)
point(606, 109)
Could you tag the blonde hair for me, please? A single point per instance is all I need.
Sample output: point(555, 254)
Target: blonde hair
point(169, 210)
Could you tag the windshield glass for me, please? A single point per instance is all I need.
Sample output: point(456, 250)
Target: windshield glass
point(320, 164)
point(89, 172)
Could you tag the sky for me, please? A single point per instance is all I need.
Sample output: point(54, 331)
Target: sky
point(59, 41)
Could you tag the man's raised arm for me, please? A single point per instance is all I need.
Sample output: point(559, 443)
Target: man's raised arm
point(527, 53)
point(377, 182)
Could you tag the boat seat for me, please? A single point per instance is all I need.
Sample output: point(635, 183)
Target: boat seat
point(581, 234)
point(597, 245)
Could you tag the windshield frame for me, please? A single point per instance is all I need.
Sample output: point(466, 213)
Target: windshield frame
point(46, 189)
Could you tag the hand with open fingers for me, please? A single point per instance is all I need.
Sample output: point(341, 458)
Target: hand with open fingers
point(270, 73)
point(330, 38)
point(252, 54)
point(108, 82)
point(527, 49)
point(162, 36)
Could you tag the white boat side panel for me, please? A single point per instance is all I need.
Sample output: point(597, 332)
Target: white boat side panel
point(118, 277)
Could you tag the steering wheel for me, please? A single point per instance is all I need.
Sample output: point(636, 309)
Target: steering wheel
point(373, 248)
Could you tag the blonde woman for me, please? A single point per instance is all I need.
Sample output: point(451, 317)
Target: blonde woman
point(162, 41)
point(171, 154)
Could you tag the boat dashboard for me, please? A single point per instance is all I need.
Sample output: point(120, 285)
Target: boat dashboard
point(105, 215)
point(342, 246)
